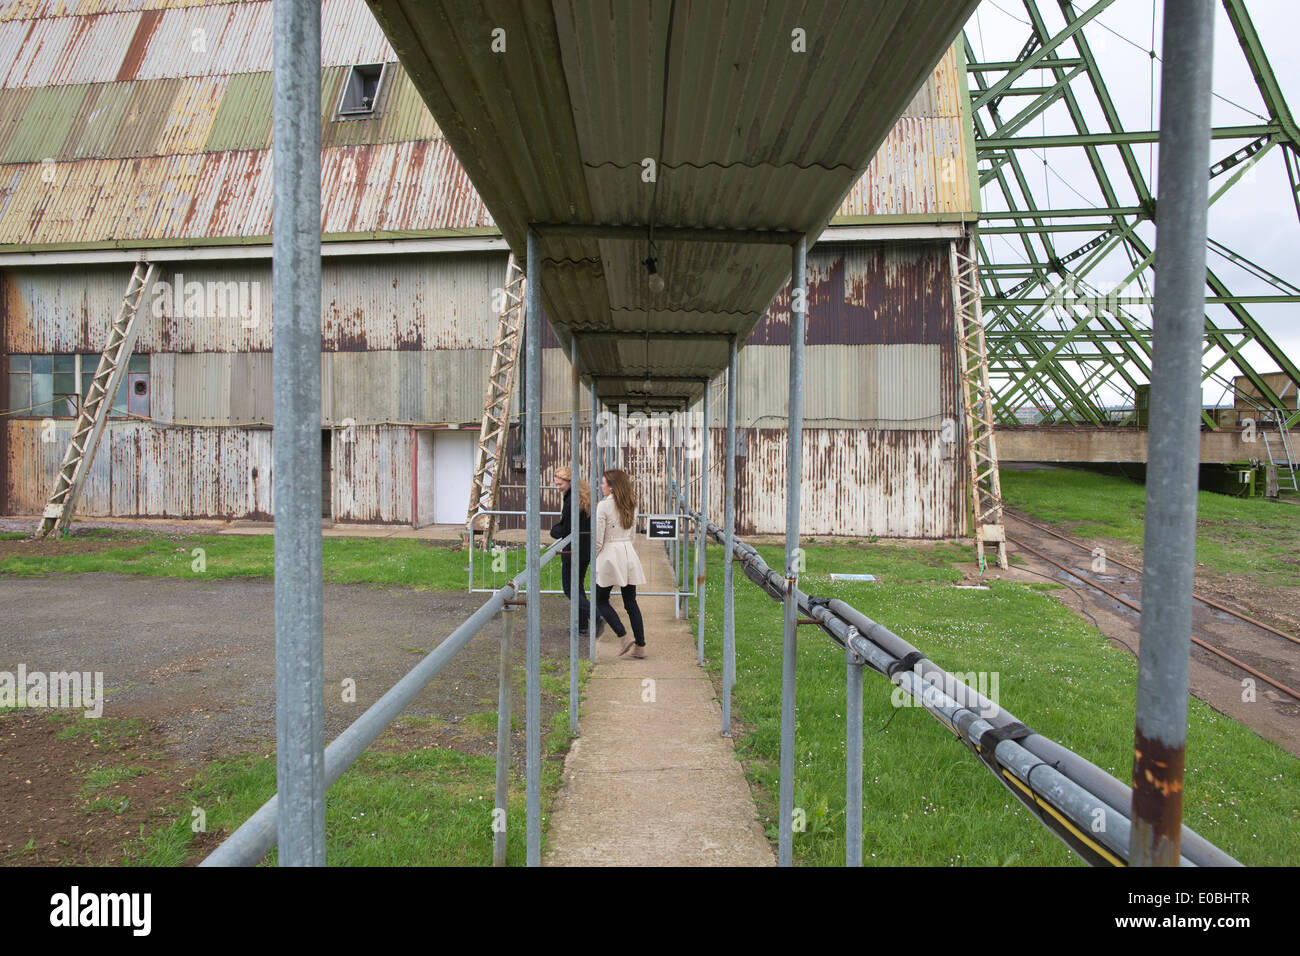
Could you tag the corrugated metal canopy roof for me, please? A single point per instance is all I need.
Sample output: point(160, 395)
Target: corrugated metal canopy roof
point(747, 133)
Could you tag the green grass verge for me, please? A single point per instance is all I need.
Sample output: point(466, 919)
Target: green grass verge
point(1233, 535)
point(427, 807)
point(388, 562)
point(928, 801)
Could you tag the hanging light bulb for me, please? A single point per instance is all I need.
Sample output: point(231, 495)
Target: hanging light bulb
point(656, 281)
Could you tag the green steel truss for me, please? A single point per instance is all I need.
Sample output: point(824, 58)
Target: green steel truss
point(1067, 295)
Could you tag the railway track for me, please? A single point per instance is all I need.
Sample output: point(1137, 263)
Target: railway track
point(1135, 582)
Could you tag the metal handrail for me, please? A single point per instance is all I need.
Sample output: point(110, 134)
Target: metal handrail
point(1045, 773)
point(682, 589)
point(255, 837)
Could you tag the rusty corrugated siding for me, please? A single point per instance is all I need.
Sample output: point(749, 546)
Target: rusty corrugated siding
point(862, 386)
point(427, 387)
point(144, 469)
point(400, 303)
point(410, 302)
point(869, 294)
point(372, 474)
point(857, 482)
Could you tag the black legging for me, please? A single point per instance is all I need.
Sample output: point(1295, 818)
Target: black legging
point(629, 605)
point(584, 607)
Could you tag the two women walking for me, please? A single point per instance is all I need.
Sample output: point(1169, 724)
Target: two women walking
point(617, 565)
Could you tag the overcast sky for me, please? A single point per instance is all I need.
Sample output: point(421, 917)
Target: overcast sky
point(1256, 218)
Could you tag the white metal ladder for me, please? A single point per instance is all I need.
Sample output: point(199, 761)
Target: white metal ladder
point(97, 403)
point(977, 402)
point(496, 405)
point(1286, 463)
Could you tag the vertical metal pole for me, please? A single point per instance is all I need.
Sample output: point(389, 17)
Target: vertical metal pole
point(674, 489)
point(595, 499)
point(576, 544)
point(1160, 737)
point(700, 539)
point(853, 755)
point(729, 522)
point(505, 687)
point(794, 462)
point(684, 552)
point(688, 562)
point(299, 654)
point(533, 497)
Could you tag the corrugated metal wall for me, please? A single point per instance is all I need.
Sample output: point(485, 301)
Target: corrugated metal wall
point(393, 302)
point(855, 481)
point(406, 342)
point(144, 469)
point(922, 167)
point(371, 468)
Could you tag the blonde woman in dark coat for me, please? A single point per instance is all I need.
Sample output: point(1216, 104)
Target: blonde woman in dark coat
point(617, 565)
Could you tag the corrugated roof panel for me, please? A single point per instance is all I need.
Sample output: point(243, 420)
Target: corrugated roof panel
point(400, 113)
point(349, 36)
point(63, 50)
point(922, 166)
point(97, 122)
point(226, 195)
point(244, 119)
point(13, 106)
point(29, 9)
point(13, 37)
point(190, 122)
point(143, 119)
point(405, 116)
point(209, 41)
point(45, 123)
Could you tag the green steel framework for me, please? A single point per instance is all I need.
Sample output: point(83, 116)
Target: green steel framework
point(1055, 340)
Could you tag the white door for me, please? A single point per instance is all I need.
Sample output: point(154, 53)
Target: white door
point(453, 473)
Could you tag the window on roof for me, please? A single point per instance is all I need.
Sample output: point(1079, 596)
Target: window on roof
point(361, 91)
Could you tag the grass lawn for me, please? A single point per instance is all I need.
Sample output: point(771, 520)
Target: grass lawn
point(1233, 535)
point(430, 806)
point(394, 806)
point(927, 800)
point(393, 562)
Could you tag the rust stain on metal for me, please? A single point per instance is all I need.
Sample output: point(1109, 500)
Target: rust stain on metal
point(1158, 794)
point(139, 42)
point(879, 295)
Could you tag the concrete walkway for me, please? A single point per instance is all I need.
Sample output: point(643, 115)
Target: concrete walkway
point(650, 781)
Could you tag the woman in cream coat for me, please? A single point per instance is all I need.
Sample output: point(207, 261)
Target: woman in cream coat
point(616, 561)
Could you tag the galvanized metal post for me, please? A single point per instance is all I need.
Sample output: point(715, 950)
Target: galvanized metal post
point(794, 462)
point(595, 499)
point(533, 546)
point(684, 550)
point(675, 489)
point(575, 543)
point(700, 550)
point(729, 526)
point(505, 688)
point(1160, 738)
point(853, 754)
point(687, 570)
point(299, 653)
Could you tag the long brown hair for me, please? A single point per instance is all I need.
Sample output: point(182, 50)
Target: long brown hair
point(624, 497)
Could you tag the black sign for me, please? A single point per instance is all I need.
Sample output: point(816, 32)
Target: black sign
point(662, 528)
